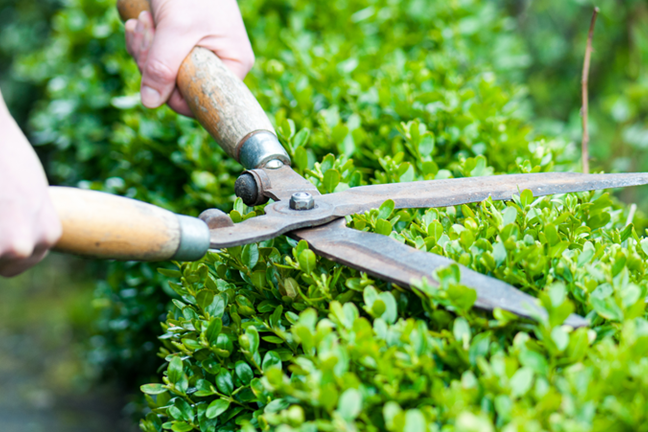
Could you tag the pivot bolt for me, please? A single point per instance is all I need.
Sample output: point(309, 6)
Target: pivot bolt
point(274, 164)
point(302, 201)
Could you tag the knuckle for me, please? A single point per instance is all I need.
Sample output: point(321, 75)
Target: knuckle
point(15, 250)
point(158, 71)
point(51, 237)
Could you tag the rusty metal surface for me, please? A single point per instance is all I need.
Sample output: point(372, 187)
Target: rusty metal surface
point(451, 192)
point(281, 183)
point(385, 258)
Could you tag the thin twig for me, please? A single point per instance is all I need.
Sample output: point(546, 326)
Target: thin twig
point(586, 66)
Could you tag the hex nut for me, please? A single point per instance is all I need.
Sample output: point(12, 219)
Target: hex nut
point(302, 201)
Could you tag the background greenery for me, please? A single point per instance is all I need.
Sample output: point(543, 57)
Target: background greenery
point(394, 91)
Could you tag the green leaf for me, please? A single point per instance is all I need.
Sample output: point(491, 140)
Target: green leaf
point(383, 227)
point(175, 274)
point(526, 197)
point(534, 361)
point(390, 314)
point(301, 158)
point(331, 180)
point(203, 388)
point(253, 337)
point(521, 382)
point(607, 308)
point(386, 209)
point(180, 426)
point(469, 422)
point(461, 297)
point(599, 220)
point(586, 255)
point(204, 299)
point(186, 412)
point(153, 389)
point(250, 255)
point(414, 421)
point(244, 372)
point(301, 138)
point(213, 330)
point(509, 216)
point(435, 230)
point(499, 253)
point(224, 344)
point(644, 245)
point(224, 382)
point(461, 330)
point(175, 370)
point(390, 411)
point(350, 404)
point(217, 408)
point(307, 261)
point(560, 338)
point(217, 307)
point(271, 360)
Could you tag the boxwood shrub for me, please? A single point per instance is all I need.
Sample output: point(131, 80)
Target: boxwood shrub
point(269, 336)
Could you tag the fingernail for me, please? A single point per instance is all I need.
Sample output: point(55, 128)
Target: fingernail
point(150, 97)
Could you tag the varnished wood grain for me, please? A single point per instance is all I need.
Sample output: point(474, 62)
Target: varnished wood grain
point(100, 225)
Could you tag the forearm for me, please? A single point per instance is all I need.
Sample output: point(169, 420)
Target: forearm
point(17, 157)
point(29, 225)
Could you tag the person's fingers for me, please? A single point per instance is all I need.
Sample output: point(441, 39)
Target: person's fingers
point(147, 30)
point(134, 40)
point(178, 104)
point(234, 50)
point(26, 238)
point(168, 49)
point(22, 251)
point(239, 67)
point(14, 267)
point(50, 225)
point(129, 29)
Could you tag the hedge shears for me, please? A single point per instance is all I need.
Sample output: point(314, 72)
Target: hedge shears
point(109, 227)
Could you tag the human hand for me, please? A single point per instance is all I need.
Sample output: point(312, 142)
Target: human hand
point(29, 225)
point(180, 25)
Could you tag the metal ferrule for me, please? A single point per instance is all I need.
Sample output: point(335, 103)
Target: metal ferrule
point(194, 239)
point(260, 148)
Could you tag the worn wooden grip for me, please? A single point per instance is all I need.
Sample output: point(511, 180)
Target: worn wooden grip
point(220, 101)
point(131, 9)
point(101, 225)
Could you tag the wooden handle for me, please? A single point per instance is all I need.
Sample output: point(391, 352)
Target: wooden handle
point(101, 225)
point(131, 9)
point(220, 101)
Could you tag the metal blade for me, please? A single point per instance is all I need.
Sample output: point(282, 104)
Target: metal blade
point(280, 219)
point(451, 192)
point(385, 258)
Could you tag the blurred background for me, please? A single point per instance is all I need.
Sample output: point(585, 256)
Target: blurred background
point(77, 338)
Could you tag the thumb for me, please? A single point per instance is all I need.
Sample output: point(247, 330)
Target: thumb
point(168, 49)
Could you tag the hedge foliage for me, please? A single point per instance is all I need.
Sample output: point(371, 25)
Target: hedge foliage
point(269, 336)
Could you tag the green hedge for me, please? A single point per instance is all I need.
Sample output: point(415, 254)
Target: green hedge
point(269, 335)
